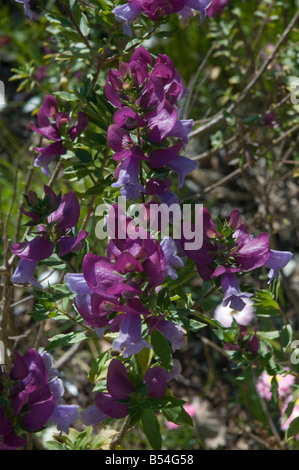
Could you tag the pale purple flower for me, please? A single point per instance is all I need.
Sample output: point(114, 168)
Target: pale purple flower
point(276, 261)
point(23, 273)
point(173, 332)
point(173, 261)
point(225, 314)
point(128, 179)
point(26, 7)
point(233, 297)
point(130, 339)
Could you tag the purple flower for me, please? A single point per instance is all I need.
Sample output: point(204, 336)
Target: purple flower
point(160, 188)
point(173, 332)
point(51, 125)
point(233, 297)
point(155, 9)
point(63, 415)
point(115, 402)
point(130, 339)
point(276, 261)
point(59, 222)
point(24, 273)
point(217, 7)
point(30, 399)
point(26, 7)
point(215, 258)
point(128, 175)
point(173, 261)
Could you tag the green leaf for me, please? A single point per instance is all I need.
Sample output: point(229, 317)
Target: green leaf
point(151, 428)
point(99, 366)
point(83, 439)
point(55, 445)
point(286, 336)
point(163, 300)
point(66, 96)
point(290, 407)
point(84, 25)
point(66, 339)
point(162, 349)
point(293, 429)
point(178, 415)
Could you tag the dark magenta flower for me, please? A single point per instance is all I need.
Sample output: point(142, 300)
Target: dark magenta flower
point(216, 7)
point(120, 388)
point(54, 126)
point(34, 395)
point(30, 399)
point(52, 234)
point(156, 9)
point(220, 254)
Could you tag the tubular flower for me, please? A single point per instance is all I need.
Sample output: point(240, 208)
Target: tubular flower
point(146, 93)
point(55, 126)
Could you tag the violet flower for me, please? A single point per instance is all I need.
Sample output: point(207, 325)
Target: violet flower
point(156, 9)
point(215, 258)
point(173, 332)
point(59, 222)
point(120, 388)
point(51, 124)
point(63, 415)
point(26, 7)
point(276, 261)
point(30, 401)
point(130, 339)
point(233, 297)
point(173, 261)
point(217, 7)
point(128, 179)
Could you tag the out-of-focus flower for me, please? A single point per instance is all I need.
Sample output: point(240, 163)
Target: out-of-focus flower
point(285, 381)
point(26, 7)
point(284, 425)
point(216, 8)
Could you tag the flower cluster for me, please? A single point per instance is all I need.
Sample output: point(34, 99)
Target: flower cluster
point(122, 394)
point(146, 95)
point(32, 393)
point(155, 9)
point(228, 250)
point(111, 289)
point(56, 126)
point(55, 218)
